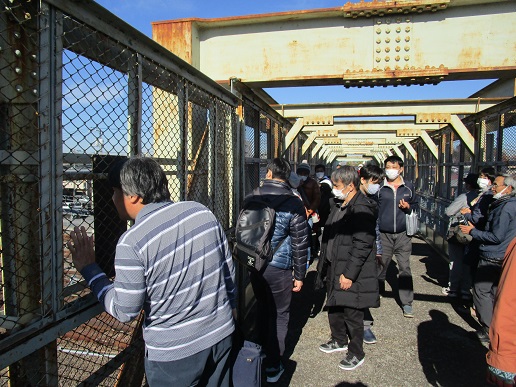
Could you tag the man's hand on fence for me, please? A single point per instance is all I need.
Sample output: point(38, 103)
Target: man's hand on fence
point(81, 247)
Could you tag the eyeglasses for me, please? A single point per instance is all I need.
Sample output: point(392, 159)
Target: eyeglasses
point(498, 185)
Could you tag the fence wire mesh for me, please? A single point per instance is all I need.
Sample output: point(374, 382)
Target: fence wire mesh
point(440, 179)
point(105, 101)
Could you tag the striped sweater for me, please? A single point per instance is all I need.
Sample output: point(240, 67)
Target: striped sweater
point(176, 265)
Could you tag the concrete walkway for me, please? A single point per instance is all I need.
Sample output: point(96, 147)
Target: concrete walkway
point(435, 348)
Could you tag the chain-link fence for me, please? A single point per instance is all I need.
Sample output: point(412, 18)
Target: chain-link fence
point(80, 90)
point(440, 179)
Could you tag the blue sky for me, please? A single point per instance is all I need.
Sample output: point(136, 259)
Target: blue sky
point(140, 14)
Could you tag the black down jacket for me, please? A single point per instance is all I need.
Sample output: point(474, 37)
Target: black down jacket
point(349, 248)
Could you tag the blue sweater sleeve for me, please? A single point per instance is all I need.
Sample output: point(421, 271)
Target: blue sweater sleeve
point(97, 280)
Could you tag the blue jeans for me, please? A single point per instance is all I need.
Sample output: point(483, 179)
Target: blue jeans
point(206, 368)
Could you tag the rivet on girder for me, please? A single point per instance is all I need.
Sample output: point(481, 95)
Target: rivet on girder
point(398, 30)
point(407, 29)
point(378, 41)
point(387, 30)
point(19, 88)
point(17, 53)
point(33, 74)
point(387, 49)
point(398, 39)
point(35, 91)
point(378, 50)
point(407, 38)
point(407, 48)
point(378, 31)
point(387, 40)
point(17, 35)
point(397, 59)
point(18, 70)
point(378, 59)
point(387, 58)
point(398, 48)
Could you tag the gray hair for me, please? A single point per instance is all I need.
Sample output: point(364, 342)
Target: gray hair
point(510, 180)
point(140, 176)
point(346, 174)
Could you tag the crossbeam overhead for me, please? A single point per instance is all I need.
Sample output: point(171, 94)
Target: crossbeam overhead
point(364, 44)
point(427, 111)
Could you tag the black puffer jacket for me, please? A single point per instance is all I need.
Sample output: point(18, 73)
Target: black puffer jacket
point(290, 228)
point(349, 248)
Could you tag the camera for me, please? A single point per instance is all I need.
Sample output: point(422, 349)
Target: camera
point(463, 220)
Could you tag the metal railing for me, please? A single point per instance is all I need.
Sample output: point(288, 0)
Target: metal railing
point(80, 89)
point(439, 180)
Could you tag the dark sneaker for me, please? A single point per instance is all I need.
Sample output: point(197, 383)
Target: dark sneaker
point(273, 374)
point(351, 362)
point(369, 337)
point(407, 311)
point(333, 346)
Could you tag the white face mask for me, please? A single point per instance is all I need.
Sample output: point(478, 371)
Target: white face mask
point(339, 195)
point(372, 188)
point(319, 175)
point(483, 183)
point(392, 173)
point(303, 178)
point(499, 194)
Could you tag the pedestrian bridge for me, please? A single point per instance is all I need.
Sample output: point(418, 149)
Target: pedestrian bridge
point(80, 88)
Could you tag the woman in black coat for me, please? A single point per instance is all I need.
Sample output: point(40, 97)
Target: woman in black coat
point(348, 265)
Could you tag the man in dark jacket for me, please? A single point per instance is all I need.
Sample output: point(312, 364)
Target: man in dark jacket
point(396, 199)
point(348, 263)
point(499, 231)
point(274, 286)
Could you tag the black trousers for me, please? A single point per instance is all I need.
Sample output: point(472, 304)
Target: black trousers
point(273, 292)
point(347, 327)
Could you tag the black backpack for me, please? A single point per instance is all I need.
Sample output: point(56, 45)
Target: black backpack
point(254, 229)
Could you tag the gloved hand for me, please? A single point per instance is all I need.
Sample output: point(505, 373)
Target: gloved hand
point(322, 270)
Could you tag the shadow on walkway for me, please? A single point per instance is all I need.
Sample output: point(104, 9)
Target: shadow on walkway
point(448, 354)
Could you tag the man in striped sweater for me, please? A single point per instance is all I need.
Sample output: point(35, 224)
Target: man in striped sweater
point(175, 264)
